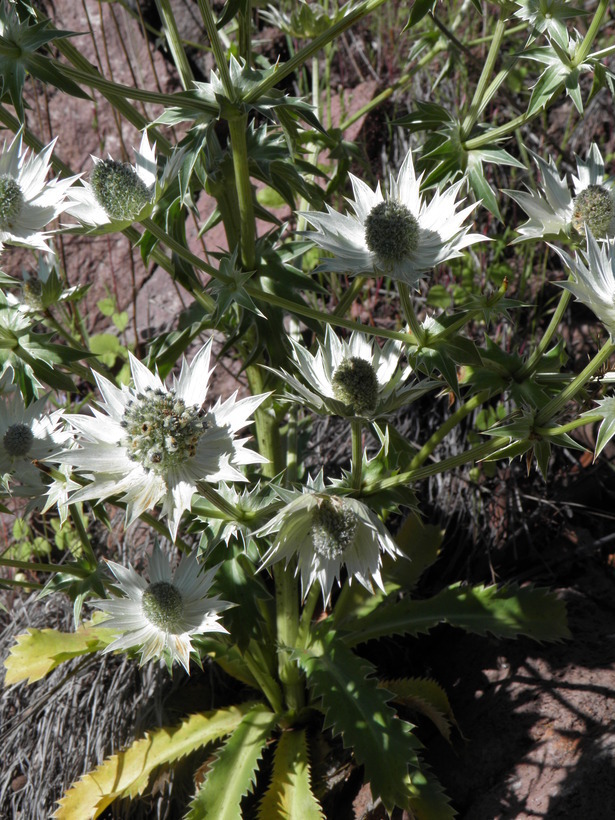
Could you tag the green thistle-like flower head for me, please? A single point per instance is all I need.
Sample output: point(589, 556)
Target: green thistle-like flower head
point(119, 189)
point(11, 201)
point(355, 383)
point(333, 528)
point(163, 606)
point(18, 440)
point(391, 231)
point(162, 432)
point(595, 208)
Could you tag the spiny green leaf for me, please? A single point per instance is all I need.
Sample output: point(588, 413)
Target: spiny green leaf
point(127, 774)
point(38, 652)
point(428, 800)
point(506, 612)
point(356, 708)
point(232, 774)
point(426, 696)
point(289, 796)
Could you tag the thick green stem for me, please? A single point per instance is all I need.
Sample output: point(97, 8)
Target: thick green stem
point(183, 252)
point(348, 296)
point(477, 453)
point(541, 348)
point(460, 414)
point(212, 495)
point(245, 194)
point(562, 429)
point(583, 50)
point(77, 519)
point(217, 48)
point(410, 315)
point(171, 33)
point(483, 82)
point(356, 428)
point(552, 408)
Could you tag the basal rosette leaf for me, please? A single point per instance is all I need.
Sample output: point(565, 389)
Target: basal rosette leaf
point(38, 652)
point(428, 800)
point(127, 774)
point(505, 612)
point(232, 774)
point(289, 795)
point(356, 708)
point(426, 696)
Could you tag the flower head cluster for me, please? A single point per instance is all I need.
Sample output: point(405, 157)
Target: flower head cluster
point(118, 192)
point(161, 616)
point(326, 532)
point(558, 210)
point(594, 281)
point(154, 442)
point(27, 435)
point(399, 234)
point(353, 378)
point(28, 203)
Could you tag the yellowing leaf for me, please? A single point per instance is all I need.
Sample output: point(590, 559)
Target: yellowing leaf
point(289, 796)
point(38, 652)
point(127, 774)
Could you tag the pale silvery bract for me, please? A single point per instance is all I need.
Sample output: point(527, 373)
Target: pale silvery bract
point(352, 378)
point(161, 616)
point(557, 209)
point(28, 203)
point(548, 17)
point(400, 234)
point(152, 443)
point(326, 532)
point(27, 434)
point(594, 283)
point(120, 193)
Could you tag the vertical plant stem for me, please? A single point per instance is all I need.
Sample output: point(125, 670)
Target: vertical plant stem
point(553, 407)
point(77, 519)
point(356, 430)
point(169, 27)
point(241, 165)
point(217, 47)
point(408, 311)
point(541, 348)
point(494, 51)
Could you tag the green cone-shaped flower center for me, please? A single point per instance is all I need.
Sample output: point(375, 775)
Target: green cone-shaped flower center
point(161, 432)
point(391, 231)
point(595, 208)
point(119, 189)
point(163, 607)
point(18, 440)
point(355, 384)
point(333, 528)
point(11, 201)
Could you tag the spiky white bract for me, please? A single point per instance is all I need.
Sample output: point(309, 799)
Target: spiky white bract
point(557, 210)
point(28, 203)
point(548, 17)
point(161, 616)
point(352, 378)
point(151, 443)
point(400, 234)
point(120, 193)
point(27, 434)
point(326, 532)
point(594, 282)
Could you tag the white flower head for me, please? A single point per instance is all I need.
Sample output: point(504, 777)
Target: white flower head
point(28, 203)
point(558, 209)
point(594, 283)
point(154, 442)
point(354, 378)
point(161, 616)
point(27, 434)
point(326, 532)
point(400, 234)
point(118, 192)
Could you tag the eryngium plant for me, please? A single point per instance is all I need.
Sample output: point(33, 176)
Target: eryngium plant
point(278, 570)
